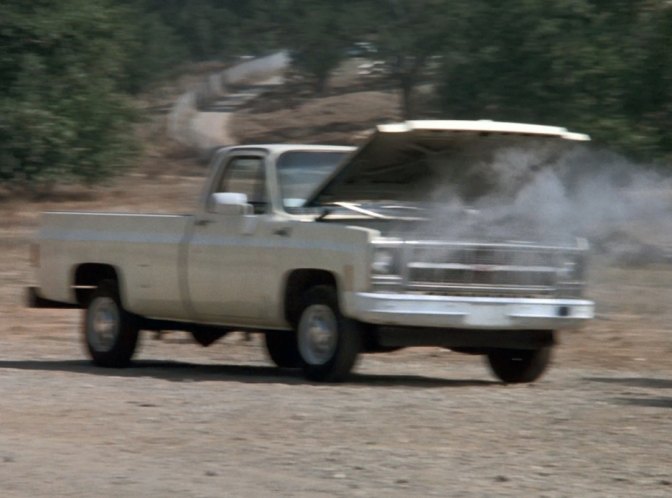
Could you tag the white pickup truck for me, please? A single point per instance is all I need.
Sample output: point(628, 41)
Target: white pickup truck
point(330, 252)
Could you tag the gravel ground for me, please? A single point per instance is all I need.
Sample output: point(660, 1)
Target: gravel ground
point(187, 421)
point(192, 422)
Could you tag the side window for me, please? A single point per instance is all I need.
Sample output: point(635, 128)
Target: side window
point(245, 175)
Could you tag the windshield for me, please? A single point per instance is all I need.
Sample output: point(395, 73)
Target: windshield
point(301, 172)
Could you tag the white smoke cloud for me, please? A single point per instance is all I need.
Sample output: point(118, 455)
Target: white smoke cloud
point(547, 195)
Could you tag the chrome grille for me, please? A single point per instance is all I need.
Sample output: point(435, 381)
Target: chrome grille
point(479, 269)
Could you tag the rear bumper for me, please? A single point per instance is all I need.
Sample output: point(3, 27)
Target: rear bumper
point(35, 300)
point(495, 313)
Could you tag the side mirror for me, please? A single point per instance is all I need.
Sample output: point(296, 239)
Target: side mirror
point(230, 203)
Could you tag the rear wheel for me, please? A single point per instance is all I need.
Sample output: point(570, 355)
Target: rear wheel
point(515, 366)
point(328, 342)
point(283, 350)
point(110, 332)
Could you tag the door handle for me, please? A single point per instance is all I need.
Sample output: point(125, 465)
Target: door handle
point(283, 232)
point(203, 222)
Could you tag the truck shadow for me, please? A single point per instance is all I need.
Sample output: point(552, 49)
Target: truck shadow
point(639, 382)
point(177, 371)
point(656, 402)
point(647, 382)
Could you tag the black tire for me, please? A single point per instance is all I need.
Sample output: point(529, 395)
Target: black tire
point(328, 342)
point(110, 332)
point(282, 349)
point(516, 366)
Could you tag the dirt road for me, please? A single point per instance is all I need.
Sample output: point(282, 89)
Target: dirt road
point(187, 421)
point(194, 422)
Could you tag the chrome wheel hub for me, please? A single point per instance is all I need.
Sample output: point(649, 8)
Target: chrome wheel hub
point(317, 334)
point(102, 324)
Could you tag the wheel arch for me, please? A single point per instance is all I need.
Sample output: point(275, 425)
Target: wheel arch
point(298, 281)
point(87, 276)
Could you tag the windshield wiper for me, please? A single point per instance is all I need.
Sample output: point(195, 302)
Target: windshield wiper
point(325, 212)
point(351, 206)
point(359, 209)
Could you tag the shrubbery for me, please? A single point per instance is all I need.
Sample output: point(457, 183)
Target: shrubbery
point(69, 68)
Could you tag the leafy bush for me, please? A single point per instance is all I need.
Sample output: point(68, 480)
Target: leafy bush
point(62, 114)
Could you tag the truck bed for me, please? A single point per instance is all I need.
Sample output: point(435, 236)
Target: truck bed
point(147, 246)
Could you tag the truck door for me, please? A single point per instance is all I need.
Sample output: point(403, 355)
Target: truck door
point(225, 255)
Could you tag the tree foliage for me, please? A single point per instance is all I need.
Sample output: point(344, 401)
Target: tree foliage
point(408, 34)
point(598, 66)
point(62, 115)
point(68, 68)
point(316, 34)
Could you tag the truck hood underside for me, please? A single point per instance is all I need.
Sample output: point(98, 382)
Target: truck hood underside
point(406, 160)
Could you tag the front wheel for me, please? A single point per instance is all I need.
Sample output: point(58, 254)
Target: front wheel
point(516, 366)
point(328, 342)
point(110, 332)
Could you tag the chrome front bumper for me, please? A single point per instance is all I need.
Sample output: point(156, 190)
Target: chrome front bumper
point(410, 310)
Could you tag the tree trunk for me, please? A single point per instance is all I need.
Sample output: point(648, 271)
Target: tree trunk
point(321, 81)
point(407, 109)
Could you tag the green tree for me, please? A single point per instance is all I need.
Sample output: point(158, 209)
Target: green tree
point(219, 29)
point(597, 66)
point(153, 52)
point(518, 57)
point(648, 103)
point(409, 35)
point(316, 33)
point(62, 115)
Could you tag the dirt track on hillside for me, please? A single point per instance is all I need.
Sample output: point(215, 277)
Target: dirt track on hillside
point(188, 421)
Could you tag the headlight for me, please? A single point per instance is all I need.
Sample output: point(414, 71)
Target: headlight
point(384, 261)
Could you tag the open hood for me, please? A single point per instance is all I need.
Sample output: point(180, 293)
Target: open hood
point(409, 155)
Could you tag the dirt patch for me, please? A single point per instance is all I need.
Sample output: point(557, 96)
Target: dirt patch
point(340, 119)
point(191, 422)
